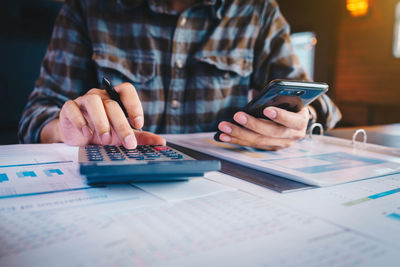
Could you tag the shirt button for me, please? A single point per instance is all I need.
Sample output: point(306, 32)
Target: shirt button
point(183, 21)
point(179, 63)
point(175, 104)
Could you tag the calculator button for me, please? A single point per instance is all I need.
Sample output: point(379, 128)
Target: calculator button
point(93, 154)
point(177, 157)
point(92, 151)
point(168, 152)
point(134, 154)
point(95, 158)
point(137, 158)
point(116, 159)
point(92, 147)
point(115, 154)
point(131, 151)
point(161, 148)
point(153, 156)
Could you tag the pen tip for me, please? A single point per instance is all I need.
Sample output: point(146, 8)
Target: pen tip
point(106, 81)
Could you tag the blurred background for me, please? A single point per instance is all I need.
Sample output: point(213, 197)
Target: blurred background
point(350, 44)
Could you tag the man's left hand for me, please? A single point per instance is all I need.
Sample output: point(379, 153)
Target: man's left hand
point(282, 130)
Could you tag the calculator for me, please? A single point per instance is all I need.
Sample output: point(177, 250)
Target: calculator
point(146, 163)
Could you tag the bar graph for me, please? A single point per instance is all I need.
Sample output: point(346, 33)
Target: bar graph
point(372, 197)
point(394, 215)
point(52, 172)
point(25, 174)
point(3, 177)
point(39, 178)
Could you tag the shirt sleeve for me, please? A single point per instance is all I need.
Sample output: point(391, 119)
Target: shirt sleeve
point(275, 59)
point(66, 71)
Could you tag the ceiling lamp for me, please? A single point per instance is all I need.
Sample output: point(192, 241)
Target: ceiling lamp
point(357, 8)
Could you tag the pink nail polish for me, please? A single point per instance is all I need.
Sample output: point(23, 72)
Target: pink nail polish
point(226, 129)
point(270, 113)
point(241, 119)
point(130, 141)
point(86, 131)
point(106, 138)
point(138, 122)
point(225, 138)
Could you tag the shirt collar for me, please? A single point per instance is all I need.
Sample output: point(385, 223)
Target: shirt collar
point(159, 6)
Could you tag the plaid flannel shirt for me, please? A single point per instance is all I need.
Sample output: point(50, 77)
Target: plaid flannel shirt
point(191, 70)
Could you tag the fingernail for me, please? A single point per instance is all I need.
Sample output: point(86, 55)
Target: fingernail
point(138, 122)
point(225, 138)
point(106, 138)
point(130, 141)
point(241, 119)
point(225, 129)
point(86, 131)
point(270, 113)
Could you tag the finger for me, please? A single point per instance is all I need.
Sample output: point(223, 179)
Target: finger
point(267, 128)
point(100, 92)
point(120, 123)
point(132, 104)
point(73, 113)
point(297, 121)
point(149, 138)
point(245, 137)
point(93, 105)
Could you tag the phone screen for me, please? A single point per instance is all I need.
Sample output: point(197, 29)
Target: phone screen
point(290, 96)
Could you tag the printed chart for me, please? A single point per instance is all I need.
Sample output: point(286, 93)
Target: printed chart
point(375, 200)
point(38, 168)
point(28, 179)
point(321, 162)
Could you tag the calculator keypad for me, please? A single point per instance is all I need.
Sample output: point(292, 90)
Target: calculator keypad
point(95, 153)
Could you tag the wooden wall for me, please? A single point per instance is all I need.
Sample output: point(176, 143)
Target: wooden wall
point(354, 56)
point(367, 75)
point(320, 17)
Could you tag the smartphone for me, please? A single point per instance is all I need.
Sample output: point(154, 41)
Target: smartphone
point(286, 94)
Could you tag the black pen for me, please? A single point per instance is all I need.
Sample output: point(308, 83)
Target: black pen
point(114, 95)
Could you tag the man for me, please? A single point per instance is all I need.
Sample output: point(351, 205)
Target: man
point(180, 66)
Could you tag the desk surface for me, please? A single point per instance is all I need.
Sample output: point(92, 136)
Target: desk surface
point(386, 135)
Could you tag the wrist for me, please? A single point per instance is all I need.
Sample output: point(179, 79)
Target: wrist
point(51, 132)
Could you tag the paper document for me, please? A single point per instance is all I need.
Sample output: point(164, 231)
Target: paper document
point(371, 206)
point(17, 155)
point(32, 169)
point(307, 161)
point(182, 190)
point(229, 228)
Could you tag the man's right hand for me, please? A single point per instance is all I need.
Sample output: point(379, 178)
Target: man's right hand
point(95, 118)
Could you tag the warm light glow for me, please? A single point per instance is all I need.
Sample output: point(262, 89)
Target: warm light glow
point(314, 41)
point(357, 8)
